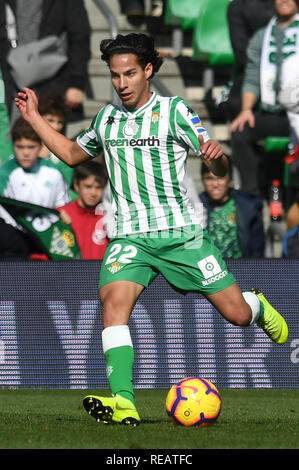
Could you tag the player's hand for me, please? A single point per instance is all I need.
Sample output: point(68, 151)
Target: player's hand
point(213, 156)
point(27, 103)
point(210, 150)
point(242, 118)
point(65, 217)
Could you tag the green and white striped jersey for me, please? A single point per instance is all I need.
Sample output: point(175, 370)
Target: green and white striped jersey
point(145, 153)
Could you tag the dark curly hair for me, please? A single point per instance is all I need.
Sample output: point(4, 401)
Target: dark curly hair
point(138, 44)
point(52, 103)
point(22, 130)
point(91, 168)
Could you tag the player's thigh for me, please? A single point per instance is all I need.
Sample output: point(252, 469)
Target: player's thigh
point(118, 299)
point(126, 270)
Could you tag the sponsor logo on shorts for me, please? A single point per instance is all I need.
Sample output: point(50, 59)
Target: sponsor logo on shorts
point(211, 270)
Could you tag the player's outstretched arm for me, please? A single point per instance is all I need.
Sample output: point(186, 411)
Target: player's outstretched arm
point(212, 155)
point(68, 151)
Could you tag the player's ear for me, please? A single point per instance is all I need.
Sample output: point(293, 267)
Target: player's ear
point(76, 185)
point(148, 70)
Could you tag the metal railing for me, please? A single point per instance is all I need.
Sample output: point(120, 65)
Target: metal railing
point(114, 29)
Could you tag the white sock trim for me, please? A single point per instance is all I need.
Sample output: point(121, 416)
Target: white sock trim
point(115, 336)
point(254, 303)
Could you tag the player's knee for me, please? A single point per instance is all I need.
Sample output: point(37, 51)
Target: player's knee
point(111, 311)
point(115, 311)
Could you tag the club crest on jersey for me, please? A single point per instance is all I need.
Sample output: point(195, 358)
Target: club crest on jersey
point(130, 128)
point(155, 117)
point(115, 267)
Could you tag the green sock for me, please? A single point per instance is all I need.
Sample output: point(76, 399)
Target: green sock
point(119, 366)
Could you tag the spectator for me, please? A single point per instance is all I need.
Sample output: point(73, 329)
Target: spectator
point(84, 214)
point(233, 218)
point(26, 177)
point(41, 18)
point(52, 108)
point(245, 17)
point(266, 56)
point(6, 148)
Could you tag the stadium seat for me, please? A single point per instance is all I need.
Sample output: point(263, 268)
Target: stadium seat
point(276, 144)
point(184, 14)
point(211, 38)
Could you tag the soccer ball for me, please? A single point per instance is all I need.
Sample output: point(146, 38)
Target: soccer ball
point(193, 402)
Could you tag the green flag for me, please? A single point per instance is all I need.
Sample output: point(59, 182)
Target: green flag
point(53, 237)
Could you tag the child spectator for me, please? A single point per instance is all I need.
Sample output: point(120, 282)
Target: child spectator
point(233, 217)
point(84, 213)
point(26, 177)
point(53, 109)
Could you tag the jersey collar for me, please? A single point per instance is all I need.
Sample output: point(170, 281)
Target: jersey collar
point(139, 111)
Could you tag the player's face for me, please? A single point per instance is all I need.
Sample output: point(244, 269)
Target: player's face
point(26, 152)
point(217, 187)
point(286, 8)
point(55, 121)
point(90, 192)
point(130, 80)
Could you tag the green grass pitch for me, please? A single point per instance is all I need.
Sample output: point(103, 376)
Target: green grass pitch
point(56, 419)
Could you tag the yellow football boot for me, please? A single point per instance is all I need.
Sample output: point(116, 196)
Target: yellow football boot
point(115, 409)
point(273, 324)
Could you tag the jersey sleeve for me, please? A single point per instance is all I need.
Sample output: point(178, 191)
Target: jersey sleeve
point(187, 126)
point(90, 140)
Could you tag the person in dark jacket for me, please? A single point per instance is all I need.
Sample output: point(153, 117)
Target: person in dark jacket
point(269, 71)
point(245, 17)
point(233, 217)
point(41, 18)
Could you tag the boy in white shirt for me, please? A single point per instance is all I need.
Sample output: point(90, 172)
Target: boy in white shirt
point(26, 177)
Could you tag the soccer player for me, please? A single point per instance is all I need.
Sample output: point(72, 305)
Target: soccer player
point(145, 141)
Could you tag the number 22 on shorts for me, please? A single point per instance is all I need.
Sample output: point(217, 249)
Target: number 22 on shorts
point(125, 254)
